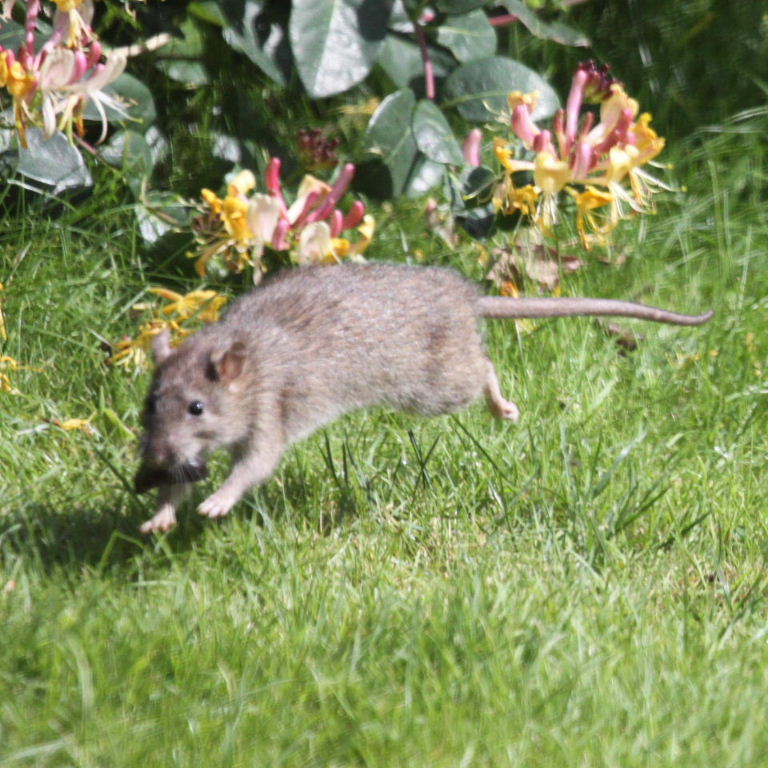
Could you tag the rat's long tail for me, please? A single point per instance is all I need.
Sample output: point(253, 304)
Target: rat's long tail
point(509, 307)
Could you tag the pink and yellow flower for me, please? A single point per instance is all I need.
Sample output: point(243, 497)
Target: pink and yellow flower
point(50, 87)
point(182, 315)
point(591, 161)
point(237, 229)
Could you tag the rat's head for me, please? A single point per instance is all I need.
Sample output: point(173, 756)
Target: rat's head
point(193, 407)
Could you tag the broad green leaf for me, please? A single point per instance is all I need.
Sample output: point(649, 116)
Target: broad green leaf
point(478, 184)
point(161, 213)
point(434, 136)
point(468, 36)
point(269, 49)
point(180, 58)
point(336, 42)
point(479, 89)
point(459, 6)
point(401, 59)
point(130, 151)
point(207, 10)
point(53, 161)
point(12, 35)
point(425, 175)
point(390, 137)
point(556, 31)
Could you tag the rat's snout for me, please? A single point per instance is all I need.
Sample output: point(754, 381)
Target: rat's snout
point(162, 465)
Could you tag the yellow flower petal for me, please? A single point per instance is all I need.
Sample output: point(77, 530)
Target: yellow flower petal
point(242, 184)
point(71, 424)
point(550, 174)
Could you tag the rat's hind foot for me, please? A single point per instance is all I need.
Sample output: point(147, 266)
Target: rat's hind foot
point(499, 406)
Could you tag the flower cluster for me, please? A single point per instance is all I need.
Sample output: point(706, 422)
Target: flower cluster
point(235, 230)
point(50, 87)
point(182, 315)
point(317, 151)
point(590, 161)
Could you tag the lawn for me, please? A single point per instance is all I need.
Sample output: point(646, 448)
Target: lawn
point(584, 588)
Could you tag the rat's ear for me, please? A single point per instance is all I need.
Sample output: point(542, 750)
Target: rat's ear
point(227, 364)
point(161, 346)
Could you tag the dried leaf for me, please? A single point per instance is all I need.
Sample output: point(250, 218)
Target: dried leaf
point(531, 258)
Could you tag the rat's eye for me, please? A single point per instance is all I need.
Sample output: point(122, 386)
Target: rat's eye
point(196, 408)
point(150, 405)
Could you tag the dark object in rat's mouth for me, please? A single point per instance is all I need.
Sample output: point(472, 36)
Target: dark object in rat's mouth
point(148, 478)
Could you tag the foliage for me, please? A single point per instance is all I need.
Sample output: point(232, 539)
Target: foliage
point(587, 587)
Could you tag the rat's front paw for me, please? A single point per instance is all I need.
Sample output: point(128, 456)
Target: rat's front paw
point(164, 520)
point(217, 504)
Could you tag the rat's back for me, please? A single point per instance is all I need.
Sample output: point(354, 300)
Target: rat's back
point(369, 334)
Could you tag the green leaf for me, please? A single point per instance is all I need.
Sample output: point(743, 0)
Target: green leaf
point(390, 137)
point(556, 31)
point(207, 10)
point(135, 158)
point(269, 51)
point(479, 89)
point(53, 161)
point(160, 213)
point(401, 59)
point(459, 6)
point(180, 59)
point(469, 36)
point(425, 175)
point(478, 184)
point(336, 42)
point(434, 136)
point(12, 35)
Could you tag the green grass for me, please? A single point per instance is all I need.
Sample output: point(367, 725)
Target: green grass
point(585, 588)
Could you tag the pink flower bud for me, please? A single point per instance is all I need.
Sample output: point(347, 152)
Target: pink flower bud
point(523, 126)
point(279, 239)
point(336, 193)
point(472, 145)
point(307, 214)
point(582, 160)
point(355, 215)
point(272, 179)
point(81, 64)
point(573, 105)
point(94, 54)
point(337, 222)
point(543, 143)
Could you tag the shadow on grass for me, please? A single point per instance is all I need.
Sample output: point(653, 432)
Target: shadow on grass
point(98, 538)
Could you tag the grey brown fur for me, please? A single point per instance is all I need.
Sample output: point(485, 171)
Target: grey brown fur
point(313, 344)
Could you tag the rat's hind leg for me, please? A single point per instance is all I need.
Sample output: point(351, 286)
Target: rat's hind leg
point(500, 408)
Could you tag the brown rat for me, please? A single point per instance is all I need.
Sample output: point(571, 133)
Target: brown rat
point(314, 343)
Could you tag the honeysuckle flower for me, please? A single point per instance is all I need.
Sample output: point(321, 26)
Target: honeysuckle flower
point(581, 155)
point(239, 227)
point(50, 87)
point(73, 19)
point(69, 425)
point(202, 304)
point(182, 316)
point(587, 202)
